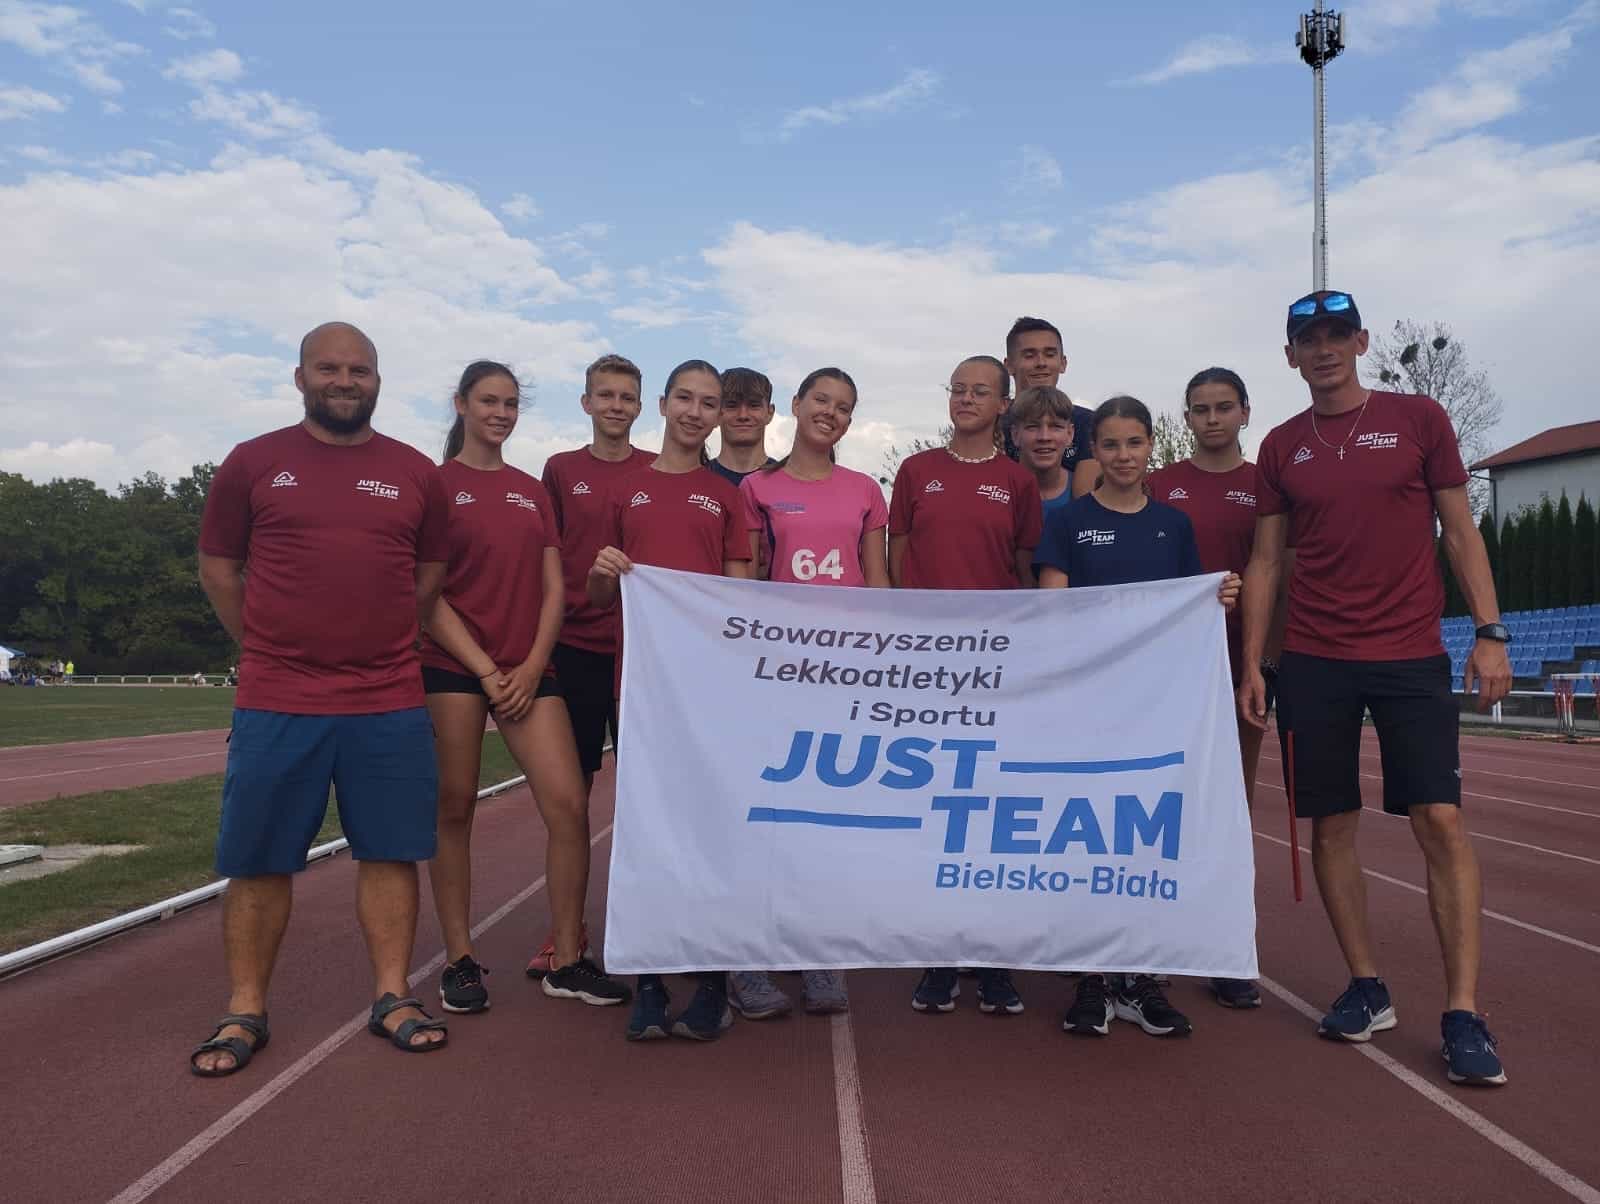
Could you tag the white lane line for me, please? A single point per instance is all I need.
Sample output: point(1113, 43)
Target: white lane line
point(1378, 777)
point(855, 1162)
point(70, 745)
point(66, 773)
point(1493, 915)
point(1472, 769)
point(1575, 1187)
point(156, 1178)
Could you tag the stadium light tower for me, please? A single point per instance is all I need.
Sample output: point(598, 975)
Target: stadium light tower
point(1321, 39)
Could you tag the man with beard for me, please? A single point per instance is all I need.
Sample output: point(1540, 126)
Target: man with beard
point(320, 546)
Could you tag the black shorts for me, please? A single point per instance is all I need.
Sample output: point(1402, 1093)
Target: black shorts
point(588, 682)
point(1321, 701)
point(448, 681)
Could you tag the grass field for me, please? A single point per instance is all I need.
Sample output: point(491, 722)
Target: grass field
point(53, 714)
point(175, 821)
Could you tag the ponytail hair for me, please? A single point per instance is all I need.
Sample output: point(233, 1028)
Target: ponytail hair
point(838, 374)
point(478, 370)
point(1122, 406)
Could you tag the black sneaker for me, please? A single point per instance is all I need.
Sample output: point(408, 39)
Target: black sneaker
point(461, 988)
point(937, 992)
point(1091, 1011)
point(1470, 1051)
point(996, 994)
point(583, 980)
point(1236, 992)
point(707, 1017)
point(1142, 1001)
point(649, 1020)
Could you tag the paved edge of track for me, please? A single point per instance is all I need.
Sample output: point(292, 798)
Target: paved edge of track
point(855, 1159)
point(158, 1176)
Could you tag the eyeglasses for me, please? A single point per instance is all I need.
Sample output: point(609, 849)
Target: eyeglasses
point(977, 392)
point(1333, 303)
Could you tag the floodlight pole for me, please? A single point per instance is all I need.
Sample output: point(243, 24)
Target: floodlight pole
point(1321, 39)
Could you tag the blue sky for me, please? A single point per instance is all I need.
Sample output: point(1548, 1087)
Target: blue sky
point(186, 187)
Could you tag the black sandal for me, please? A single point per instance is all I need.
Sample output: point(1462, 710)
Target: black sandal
point(402, 1033)
point(242, 1050)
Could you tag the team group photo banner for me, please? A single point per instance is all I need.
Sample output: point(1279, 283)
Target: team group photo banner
point(835, 778)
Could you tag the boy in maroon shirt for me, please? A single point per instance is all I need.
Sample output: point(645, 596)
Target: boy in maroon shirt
point(344, 533)
point(1355, 483)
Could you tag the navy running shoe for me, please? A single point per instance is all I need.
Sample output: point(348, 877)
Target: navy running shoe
point(649, 1020)
point(1141, 1000)
point(1090, 1012)
point(707, 1017)
point(1236, 992)
point(997, 995)
point(1470, 1051)
point(1362, 1010)
point(461, 988)
point(937, 992)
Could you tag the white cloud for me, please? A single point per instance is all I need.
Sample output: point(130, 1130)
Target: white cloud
point(917, 86)
point(110, 108)
point(1039, 172)
point(188, 25)
point(655, 316)
point(18, 101)
point(520, 207)
point(65, 35)
point(217, 66)
point(1214, 53)
point(255, 114)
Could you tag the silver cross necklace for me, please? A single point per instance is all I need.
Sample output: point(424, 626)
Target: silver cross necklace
point(1351, 432)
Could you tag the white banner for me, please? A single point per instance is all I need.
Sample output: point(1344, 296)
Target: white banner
point(833, 778)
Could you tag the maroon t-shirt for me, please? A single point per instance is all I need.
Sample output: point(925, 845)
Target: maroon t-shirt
point(1366, 584)
point(1222, 508)
point(500, 525)
point(964, 522)
point(331, 537)
point(578, 483)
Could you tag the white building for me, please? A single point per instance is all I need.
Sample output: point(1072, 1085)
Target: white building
point(1563, 459)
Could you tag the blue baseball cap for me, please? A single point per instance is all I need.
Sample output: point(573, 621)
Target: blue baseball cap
point(1323, 306)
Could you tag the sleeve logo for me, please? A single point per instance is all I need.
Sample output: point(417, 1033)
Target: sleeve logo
point(379, 489)
point(283, 480)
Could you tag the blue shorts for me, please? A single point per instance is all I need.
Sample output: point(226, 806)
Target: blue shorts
point(280, 767)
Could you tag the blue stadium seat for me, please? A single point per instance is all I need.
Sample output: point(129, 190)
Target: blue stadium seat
point(1559, 652)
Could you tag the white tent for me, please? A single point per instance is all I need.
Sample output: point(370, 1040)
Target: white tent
point(7, 655)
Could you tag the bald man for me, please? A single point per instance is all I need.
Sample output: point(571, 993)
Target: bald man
point(343, 533)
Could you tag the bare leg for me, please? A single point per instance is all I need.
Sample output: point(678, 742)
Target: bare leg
point(458, 722)
point(542, 745)
point(386, 902)
point(1343, 889)
point(255, 913)
point(1455, 896)
point(1250, 753)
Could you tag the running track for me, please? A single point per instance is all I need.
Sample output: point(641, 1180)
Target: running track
point(539, 1098)
point(41, 771)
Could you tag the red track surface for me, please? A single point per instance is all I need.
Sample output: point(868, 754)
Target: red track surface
point(42, 771)
point(539, 1098)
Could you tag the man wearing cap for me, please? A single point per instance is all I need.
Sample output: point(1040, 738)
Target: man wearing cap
point(1355, 484)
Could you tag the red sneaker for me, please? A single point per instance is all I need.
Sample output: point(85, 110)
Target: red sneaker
point(544, 961)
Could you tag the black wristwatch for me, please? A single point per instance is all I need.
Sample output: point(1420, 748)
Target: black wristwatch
point(1494, 631)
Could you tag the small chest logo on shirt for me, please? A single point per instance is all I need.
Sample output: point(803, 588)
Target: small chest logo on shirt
point(1304, 454)
point(1240, 498)
point(1161, 534)
point(709, 504)
point(1179, 494)
point(640, 499)
point(379, 489)
point(464, 497)
point(581, 488)
point(933, 486)
point(284, 480)
point(1097, 538)
point(1376, 441)
point(995, 493)
point(787, 507)
point(527, 503)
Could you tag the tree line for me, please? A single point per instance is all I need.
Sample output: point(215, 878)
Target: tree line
point(1543, 557)
point(108, 580)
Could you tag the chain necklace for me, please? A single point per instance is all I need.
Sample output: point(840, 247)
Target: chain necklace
point(969, 459)
point(1352, 430)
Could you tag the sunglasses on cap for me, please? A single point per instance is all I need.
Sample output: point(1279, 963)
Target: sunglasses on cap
point(1333, 303)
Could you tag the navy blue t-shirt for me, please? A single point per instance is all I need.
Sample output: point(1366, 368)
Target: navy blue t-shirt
point(1096, 546)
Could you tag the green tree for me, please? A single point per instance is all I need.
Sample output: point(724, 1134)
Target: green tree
point(1171, 441)
point(1455, 602)
point(1491, 545)
point(1527, 556)
point(1585, 587)
point(890, 464)
point(1508, 587)
point(1543, 554)
point(1561, 555)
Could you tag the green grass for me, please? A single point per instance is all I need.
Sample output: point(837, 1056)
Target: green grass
point(53, 714)
point(176, 821)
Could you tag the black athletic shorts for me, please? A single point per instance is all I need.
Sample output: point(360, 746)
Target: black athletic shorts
point(448, 681)
point(588, 682)
point(1321, 701)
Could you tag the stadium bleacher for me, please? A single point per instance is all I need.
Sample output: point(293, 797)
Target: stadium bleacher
point(1539, 639)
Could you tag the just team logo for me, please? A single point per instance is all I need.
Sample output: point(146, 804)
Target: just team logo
point(463, 498)
point(1097, 538)
point(1179, 494)
point(379, 489)
point(580, 489)
point(518, 499)
point(640, 499)
point(1304, 454)
point(995, 493)
point(1377, 441)
point(934, 486)
point(284, 480)
point(709, 504)
point(1240, 497)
